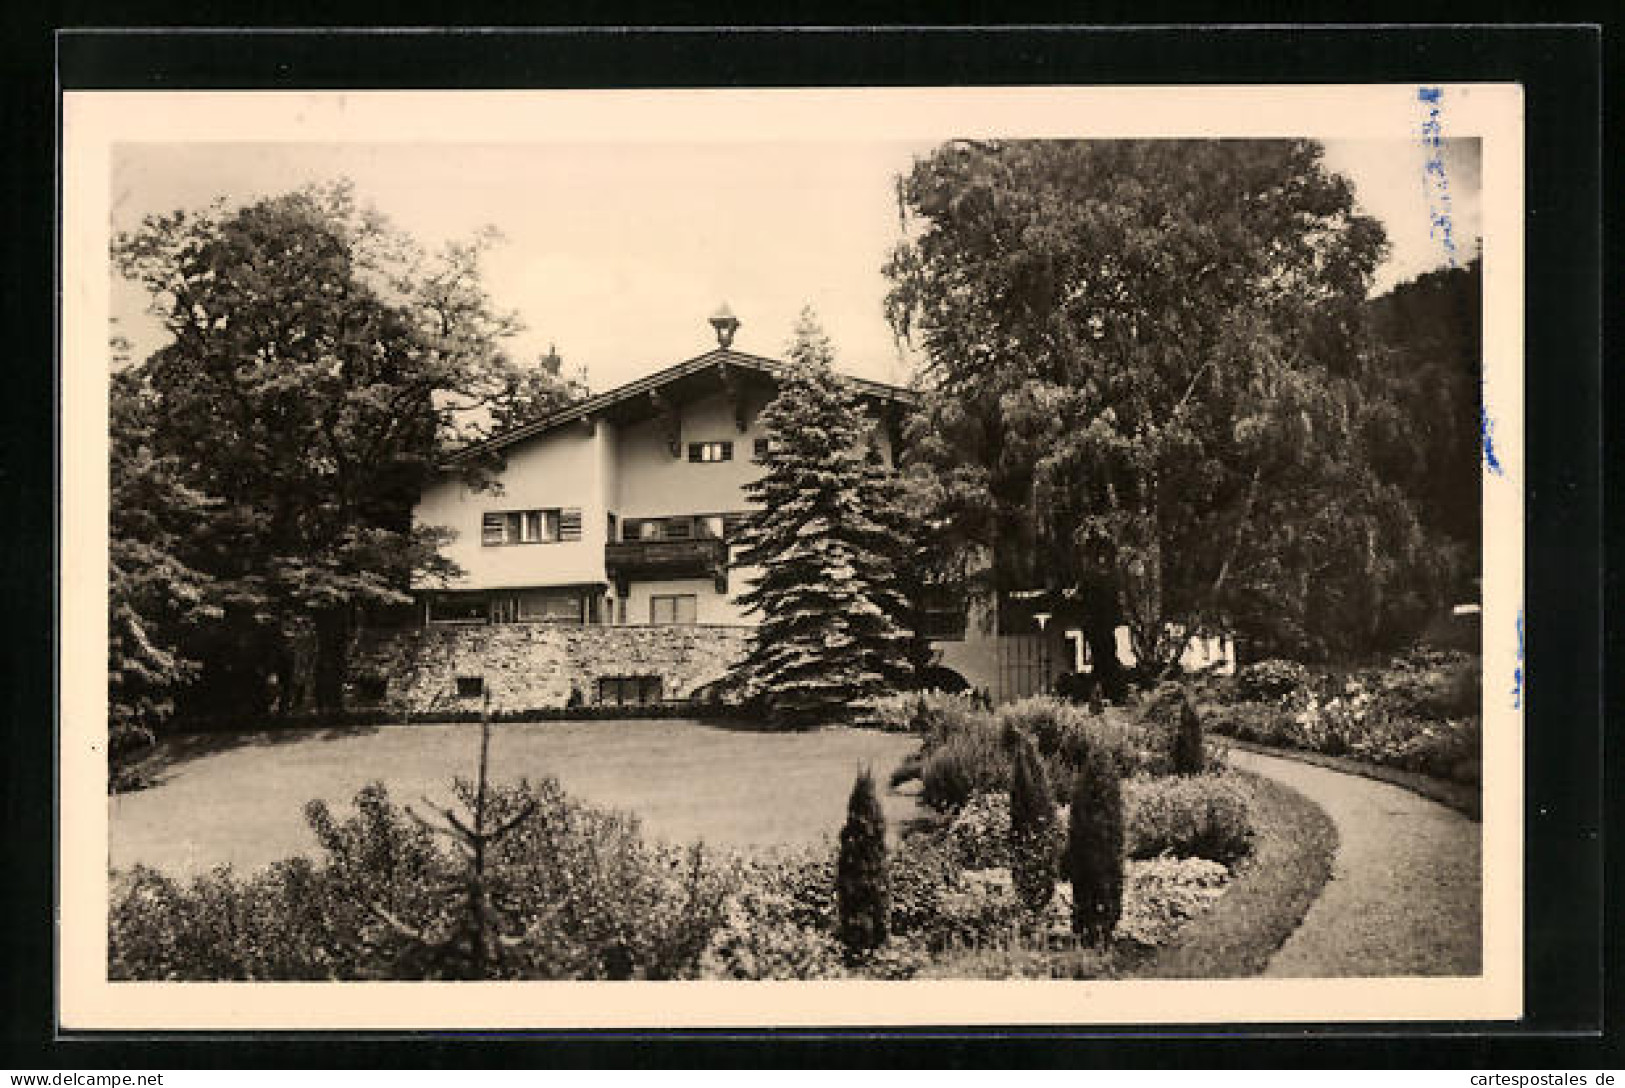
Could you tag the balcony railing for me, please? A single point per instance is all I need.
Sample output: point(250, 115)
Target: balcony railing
point(665, 558)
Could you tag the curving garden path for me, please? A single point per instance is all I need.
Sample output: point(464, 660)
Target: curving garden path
point(1405, 893)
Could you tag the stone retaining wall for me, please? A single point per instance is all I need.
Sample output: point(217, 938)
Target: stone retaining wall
point(528, 666)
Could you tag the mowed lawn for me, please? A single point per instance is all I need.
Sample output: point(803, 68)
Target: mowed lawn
point(237, 799)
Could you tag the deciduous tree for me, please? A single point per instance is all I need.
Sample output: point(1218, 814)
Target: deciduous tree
point(319, 364)
point(1150, 368)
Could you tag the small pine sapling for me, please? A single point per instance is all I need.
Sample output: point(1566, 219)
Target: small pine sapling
point(476, 946)
point(1095, 848)
point(1189, 756)
point(1032, 829)
point(862, 886)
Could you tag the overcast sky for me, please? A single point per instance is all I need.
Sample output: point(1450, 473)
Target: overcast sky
point(617, 253)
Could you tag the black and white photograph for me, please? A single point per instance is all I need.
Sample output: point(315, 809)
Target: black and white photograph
point(1041, 555)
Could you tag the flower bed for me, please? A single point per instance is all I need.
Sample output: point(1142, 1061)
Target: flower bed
point(1418, 713)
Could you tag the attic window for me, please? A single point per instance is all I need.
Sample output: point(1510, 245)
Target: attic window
point(470, 687)
point(710, 452)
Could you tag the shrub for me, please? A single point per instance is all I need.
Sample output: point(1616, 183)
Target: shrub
point(218, 927)
point(1451, 749)
point(941, 678)
point(1032, 830)
point(1062, 731)
point(922, 870)
point(898, 959)
point(979, 837)
point(969, 761)
point(933, 715)
point(1095, 849)
point(908, 770)
point(1163, 894)
point(581, 895)
point(777, 923)
point(980, 908)
point(1271, 680)
point(862, 894)
point(1264, 723)
point(1203, 816)
point(1075, 687)
point(1188, 754)
point(1429, 684)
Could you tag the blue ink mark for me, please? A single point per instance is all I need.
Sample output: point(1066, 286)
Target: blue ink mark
point(1486, 427)
point(1517, 673)
point(1441, 224)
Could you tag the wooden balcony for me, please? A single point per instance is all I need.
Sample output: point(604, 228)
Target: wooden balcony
point(640, 559)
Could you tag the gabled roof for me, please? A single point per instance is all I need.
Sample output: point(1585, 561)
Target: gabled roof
point(714, 359)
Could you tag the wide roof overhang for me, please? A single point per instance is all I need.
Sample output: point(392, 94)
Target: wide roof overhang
point(718, 370)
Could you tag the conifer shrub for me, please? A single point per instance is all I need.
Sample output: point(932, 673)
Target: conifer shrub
point(862, 890)
point(1189, 753)
point(1032, 829)
point(1095, 848)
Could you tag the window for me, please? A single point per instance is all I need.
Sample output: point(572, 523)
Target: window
point(459, 608)
point(761, 449)
point(470, 687)
point(550, 606)
point(708, 527)
point(530, 527)
point(710, 452)
point(628, 690)
point(371, 688)
point(677, 608)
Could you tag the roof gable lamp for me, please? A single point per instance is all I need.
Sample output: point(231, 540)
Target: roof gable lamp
point(726, 324)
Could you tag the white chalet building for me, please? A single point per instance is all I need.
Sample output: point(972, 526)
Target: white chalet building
point(620, 510)
point(601, 568)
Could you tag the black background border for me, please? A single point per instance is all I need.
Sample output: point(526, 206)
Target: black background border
point(1560, 69)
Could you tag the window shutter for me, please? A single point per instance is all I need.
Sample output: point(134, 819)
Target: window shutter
point(727, 451)
point(491, 529)
point(570, 523)
point(694, 452)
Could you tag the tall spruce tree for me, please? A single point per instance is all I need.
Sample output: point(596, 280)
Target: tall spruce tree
point(827, 544)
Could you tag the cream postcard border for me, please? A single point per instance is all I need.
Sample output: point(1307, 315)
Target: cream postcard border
point(93, 122)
